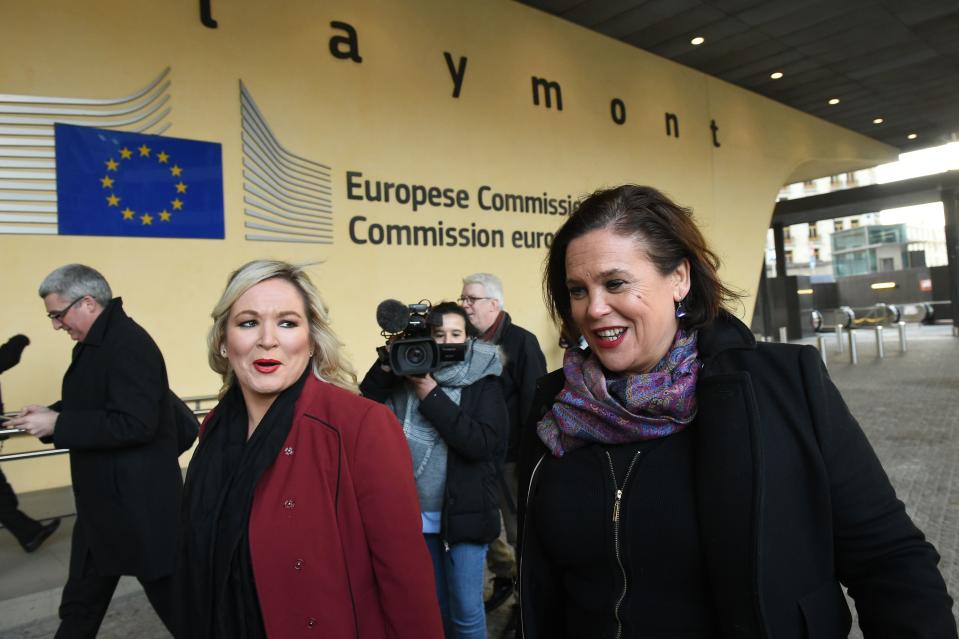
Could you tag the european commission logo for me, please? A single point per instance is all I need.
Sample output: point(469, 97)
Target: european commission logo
point(132, 184)
point(286, 197)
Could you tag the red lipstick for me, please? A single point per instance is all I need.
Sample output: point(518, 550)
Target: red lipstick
point(605, 342)
point(266, 365)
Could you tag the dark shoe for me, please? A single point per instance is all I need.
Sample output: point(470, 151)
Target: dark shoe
point(502, 589)
point(45, 531)
point(509, 630)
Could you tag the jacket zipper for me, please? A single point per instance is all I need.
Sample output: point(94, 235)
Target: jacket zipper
point(529, 495)
point(616, 507)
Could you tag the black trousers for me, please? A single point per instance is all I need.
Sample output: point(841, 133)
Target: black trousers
point(23, 528)
point(87, 597)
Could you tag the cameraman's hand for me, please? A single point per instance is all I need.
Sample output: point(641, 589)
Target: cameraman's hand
point(422, 385)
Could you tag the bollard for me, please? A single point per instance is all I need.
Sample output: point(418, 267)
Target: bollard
point(839, 337)
point(783, 334)
point(821, 343)
point(902, 336)
point(853, 352)
point(880, 351)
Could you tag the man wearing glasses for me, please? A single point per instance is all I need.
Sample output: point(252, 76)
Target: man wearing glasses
point(482, 299)
point(115, 417)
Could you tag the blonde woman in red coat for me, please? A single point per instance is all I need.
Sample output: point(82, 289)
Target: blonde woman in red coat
point(300, 515)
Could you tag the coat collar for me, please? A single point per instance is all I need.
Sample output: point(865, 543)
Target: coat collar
point(725, 333)
point(730, 471)
point(101, 324)
point(729, 479)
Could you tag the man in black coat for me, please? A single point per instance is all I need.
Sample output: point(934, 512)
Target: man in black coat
point(116, 419)
point(482, 298)
point(28, 531)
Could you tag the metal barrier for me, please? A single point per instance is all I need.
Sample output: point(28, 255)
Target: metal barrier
point(881, 314)
point(920, 312)
point(848, 317)
point(821, 345)
point(853, 350)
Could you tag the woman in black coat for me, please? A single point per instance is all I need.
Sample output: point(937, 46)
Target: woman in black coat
point(685, 481)
point(455, 422)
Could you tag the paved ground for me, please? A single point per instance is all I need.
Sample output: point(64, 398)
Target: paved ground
point(908, 404)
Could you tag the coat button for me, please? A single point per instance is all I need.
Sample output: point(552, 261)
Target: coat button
point(310, 622)
point(289, 503)
point(288, 450)
point(298, 564)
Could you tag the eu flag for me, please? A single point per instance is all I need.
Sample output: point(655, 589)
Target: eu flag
point(133, 184)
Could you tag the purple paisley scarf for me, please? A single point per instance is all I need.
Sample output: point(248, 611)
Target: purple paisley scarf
point(628, 408)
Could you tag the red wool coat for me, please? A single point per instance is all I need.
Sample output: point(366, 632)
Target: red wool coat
point(335, 530)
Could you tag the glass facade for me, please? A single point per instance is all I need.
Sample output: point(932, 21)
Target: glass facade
point(855, 251)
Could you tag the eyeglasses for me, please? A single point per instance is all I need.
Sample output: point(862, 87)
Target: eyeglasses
point(58, 315)
point(469, 300)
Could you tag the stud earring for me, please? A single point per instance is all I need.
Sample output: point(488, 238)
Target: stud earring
point(311, 353)
point(223, 351)
point(680, 311)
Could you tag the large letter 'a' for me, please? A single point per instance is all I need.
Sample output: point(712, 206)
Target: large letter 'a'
point(345, 47)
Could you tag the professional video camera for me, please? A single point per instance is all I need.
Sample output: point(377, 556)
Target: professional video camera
point(408, 331)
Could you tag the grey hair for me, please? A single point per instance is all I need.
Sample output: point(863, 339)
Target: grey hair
point(490, 283)
point(73, 281)
point(328, 361)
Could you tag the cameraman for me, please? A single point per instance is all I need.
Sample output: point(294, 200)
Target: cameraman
point(455, 423)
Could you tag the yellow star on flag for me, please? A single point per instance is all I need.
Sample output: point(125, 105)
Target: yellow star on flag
point(111, 164)
point(181, 188)
point(146, 219)
point(176, 170)
point(127, 213)
point(144, 151)
point(107, 182)
point(177, 204)
point(165, 216)
point(113, 200)
point(126, 153)
point(162, 157)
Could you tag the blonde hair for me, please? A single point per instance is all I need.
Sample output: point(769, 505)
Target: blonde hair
point(329, 363)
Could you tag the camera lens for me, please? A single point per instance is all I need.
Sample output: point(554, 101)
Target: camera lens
point(415, 355)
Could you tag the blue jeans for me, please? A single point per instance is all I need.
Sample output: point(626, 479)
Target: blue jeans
point(459, 587)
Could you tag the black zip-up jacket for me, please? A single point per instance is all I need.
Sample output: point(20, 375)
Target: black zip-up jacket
point(475, 433)
point(789, 499)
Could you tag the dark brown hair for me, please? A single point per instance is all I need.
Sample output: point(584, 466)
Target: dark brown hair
point(452, 308)
point(666, 231)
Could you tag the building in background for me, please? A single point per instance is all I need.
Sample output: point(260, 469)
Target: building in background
point(810, 248)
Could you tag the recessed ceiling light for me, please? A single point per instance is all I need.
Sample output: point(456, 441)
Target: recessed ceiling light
point(833, 101)
point(776, 75)
point(698, 40)
point(912, 136)
point(878, 121)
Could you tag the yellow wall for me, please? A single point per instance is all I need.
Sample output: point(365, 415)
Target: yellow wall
point(393, 118)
